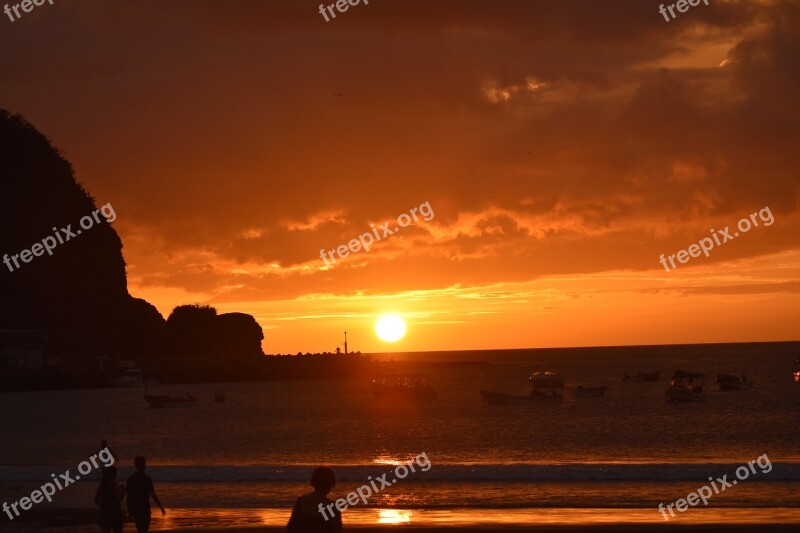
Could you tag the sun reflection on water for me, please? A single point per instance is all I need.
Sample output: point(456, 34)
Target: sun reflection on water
point(394, 516)
point(385, 459)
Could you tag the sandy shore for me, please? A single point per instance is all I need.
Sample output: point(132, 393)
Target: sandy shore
point(773, 528)
point(544, 529)
point(83, 521)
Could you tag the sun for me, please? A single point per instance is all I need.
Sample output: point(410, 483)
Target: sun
point(390, 328)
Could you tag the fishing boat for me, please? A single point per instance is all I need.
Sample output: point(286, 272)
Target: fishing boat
point(536, 396)
point(728, 382)
point(403, 387)
point(546, 379)
point(165, 400)
point(796, 372)
point(588, 391)
point(133, 379)
point(642, 376)
point(687, 387)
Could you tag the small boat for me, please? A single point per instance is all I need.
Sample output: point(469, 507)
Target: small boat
point(796, 372)
point(642, 376)
point(546, 379)
point(731, 382)
point(403, 387)
point(687, 387)
point(536, 396)
point(219, 396)
point(587, 391)
point(133, 379)
point(165, 400)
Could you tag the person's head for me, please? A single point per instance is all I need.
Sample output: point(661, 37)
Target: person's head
point(139, 463)
point(103, 444)
point(109, 474)
point(323, 479)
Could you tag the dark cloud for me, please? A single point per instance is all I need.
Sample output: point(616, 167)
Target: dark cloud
point(544, 133)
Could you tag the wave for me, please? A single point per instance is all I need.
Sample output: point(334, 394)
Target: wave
point(445, 473)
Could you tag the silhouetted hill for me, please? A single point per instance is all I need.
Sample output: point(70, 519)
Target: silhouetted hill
point(191, 331)
point(198, 331)
point(75, 298)
point(239, 335)
point(142, 331)
point(74, 293)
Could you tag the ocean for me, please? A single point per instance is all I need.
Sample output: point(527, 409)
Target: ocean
point(584, 461)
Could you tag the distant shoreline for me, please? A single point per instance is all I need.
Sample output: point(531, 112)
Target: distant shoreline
point(354, 366)
point(286, 368)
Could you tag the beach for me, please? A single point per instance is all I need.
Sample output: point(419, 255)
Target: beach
point(80, 521)
point(242, 464)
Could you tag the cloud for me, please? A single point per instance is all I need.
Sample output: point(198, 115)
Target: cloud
point(551, 138)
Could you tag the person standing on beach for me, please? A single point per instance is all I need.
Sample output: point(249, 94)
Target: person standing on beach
point(306, 516)
point(109, 496)
point(140, 490)
point(104, 446)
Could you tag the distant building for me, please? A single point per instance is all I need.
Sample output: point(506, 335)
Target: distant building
point(22, 349)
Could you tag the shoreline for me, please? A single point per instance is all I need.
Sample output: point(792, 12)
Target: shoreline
point(777, 520)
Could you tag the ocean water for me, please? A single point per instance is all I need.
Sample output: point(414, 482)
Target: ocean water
point(588, 460)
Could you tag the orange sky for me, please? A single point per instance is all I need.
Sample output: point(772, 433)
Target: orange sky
point(563, 146)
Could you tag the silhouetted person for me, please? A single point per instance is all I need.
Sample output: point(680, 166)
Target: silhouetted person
point(103, 446)
point(109, 496)
point(140, 490)
point(311, 512)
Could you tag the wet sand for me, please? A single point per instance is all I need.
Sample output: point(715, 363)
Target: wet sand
point(83, 521)
point(546, 529)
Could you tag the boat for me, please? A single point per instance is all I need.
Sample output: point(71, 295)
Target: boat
point(642, 376)
point(587, 391)
point(219, 396)
point(796, 372)
point(133, 379)
point(546, 379)
point(536, 396)
point(165, 400)
point(403, 386)
point(687, 387)
point(729, 382)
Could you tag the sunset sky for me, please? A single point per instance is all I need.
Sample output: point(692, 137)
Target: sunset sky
point(563, 146)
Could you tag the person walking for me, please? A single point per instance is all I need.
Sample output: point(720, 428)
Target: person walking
point(103, 447)
point(140, 490)
point(109, 496)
